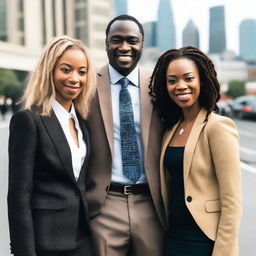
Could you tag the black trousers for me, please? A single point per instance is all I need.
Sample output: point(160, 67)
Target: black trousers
point(81, 251)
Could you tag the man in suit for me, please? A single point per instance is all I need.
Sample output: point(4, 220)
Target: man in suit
point(126, 209)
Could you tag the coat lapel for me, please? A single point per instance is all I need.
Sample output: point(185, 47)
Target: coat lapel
point(104, 93)
point(88, 149)
point(145, 107)
point(192, 141)
point(60, 142)
point(188, 154)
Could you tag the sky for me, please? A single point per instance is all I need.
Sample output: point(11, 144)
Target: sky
point(198, 11)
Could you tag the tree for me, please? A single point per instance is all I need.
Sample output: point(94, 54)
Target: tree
point(10, 87)
point(7, 78)
point(14, 92)
point(236, 88)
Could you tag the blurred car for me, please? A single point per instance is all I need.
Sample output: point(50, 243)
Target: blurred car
point(224, 108)
point(244, 106)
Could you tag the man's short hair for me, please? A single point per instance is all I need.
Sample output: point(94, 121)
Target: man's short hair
point(125, 17)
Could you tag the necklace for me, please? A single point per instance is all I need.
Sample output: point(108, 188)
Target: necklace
point(182, 130)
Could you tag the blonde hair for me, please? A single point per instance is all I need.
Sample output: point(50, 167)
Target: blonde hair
point(40, 90)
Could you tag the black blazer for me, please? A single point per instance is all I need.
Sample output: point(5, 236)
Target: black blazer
point(46, 205)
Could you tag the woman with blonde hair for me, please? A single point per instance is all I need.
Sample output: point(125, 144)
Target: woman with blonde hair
point(49, 149)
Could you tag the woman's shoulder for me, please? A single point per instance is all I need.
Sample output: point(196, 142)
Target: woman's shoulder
point(215, 119)
point(26, 116)
point(217, 123)
point(33, 112)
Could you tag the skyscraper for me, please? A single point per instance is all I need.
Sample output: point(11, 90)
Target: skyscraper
point(165, 28)
point(190, 35)
point(217, 40)
point(120, 7)
point(247, 39)
point(150, 34)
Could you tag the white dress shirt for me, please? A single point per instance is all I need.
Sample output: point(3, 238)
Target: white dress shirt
point(77, 153)
point(134, 90)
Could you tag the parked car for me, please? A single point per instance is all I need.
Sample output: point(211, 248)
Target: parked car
point(224, 108)
point(244, 106)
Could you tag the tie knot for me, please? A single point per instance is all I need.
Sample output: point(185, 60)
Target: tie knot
point(124, 82)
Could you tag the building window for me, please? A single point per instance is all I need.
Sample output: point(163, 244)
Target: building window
point(100, 11)
point(81, 34)
point(64, 16)
point(81, 31)
point(80, 14)
point(99, 44)
point(20, 20)
point(21, 23)
point(43, 22)
point(53, 18)
point(3, 23)
point(99, 27)
point(20, 6)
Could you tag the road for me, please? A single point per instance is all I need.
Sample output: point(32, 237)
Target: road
point(4, 233)
point(247, 237)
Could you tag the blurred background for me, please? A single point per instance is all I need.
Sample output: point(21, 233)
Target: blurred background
point(223, 29)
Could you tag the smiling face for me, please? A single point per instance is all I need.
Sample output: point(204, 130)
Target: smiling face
point(124, 46)
point(183, 83)
point(69, 76)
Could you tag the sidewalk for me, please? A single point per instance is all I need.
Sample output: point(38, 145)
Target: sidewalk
point(5, 122)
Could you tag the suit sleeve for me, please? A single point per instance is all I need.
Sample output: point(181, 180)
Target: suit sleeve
point(22, 147)
point(225, 154)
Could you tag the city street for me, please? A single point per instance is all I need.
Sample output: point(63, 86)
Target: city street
point(248, 163)
point(247, 236)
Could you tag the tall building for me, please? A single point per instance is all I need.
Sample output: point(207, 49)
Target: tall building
point(3, 25)
point(121, 7)
point(217, 40)
point(150, 34)
point(247, 39)
point(165, 27)
point(27, 25)
point(190, 35)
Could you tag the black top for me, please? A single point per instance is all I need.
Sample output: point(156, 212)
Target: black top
point(180, 217)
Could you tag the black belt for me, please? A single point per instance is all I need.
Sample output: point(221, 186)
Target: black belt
point(130, 189)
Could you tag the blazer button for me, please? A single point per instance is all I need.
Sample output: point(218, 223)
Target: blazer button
point(189, 199)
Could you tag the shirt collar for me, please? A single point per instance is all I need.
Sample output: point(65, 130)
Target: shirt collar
point(62, 113)
point(115, 76)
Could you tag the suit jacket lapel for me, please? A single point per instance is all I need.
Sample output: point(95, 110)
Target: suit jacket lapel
point(145, 107)
point(188, 154)
point(104, 93)
point(88, 149)
point(191, 142)
point(60, 142)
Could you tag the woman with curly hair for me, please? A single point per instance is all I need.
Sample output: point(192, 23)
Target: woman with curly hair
point(199, 164)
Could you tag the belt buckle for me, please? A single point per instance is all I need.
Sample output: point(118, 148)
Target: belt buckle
point(126, 190)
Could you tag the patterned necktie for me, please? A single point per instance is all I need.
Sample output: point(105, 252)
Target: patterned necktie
point(129, 143)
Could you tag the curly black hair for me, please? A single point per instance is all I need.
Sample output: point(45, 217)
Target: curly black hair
point(170, 113)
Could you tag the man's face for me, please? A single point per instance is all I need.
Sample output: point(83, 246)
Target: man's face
point(124, 46)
